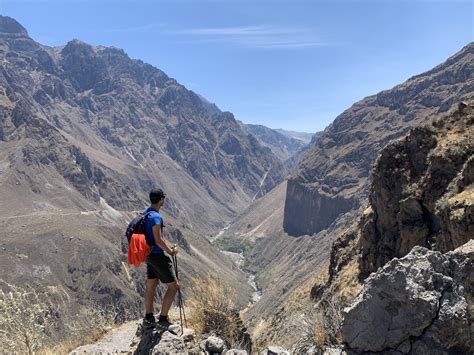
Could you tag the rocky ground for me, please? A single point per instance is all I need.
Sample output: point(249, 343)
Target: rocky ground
point(131, 338)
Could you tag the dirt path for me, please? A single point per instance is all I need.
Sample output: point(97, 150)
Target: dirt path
point(116, 341)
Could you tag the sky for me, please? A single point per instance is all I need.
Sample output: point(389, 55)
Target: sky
point(291, 64)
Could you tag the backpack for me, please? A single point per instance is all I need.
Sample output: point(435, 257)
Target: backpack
point(138, 247)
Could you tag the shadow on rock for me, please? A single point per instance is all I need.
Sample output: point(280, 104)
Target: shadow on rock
point(149, 339)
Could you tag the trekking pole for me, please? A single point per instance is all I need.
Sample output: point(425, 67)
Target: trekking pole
point(180, 296)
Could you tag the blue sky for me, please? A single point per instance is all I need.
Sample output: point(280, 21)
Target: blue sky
point(292, 64)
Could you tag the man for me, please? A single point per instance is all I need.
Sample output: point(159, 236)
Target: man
point(159, 265)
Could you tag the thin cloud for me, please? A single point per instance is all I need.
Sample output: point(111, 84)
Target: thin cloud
point(258, 36)
point(141, 28)
point(238, 31)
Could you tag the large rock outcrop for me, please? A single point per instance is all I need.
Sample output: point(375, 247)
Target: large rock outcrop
point(422, 192)
point(419, 304)
point(334, 177)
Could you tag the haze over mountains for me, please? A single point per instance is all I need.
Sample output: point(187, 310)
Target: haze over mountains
point(288, 146)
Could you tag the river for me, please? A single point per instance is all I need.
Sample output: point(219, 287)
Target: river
point(239, 260)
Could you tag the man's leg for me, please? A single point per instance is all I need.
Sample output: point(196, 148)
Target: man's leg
point(169, 297)
point(151, 285)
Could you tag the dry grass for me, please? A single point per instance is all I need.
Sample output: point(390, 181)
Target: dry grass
point(212, 306)
point(346, 285)
point(30, 321)
point(299, 300)
point(91, 324)
point(25, 319)
point(284, 326)
point(320, 325)
point(322, 321)
point(66, 347)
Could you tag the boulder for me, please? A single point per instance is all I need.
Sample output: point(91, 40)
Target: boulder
point(169, 344)
point(416, 304)
point(215, 345)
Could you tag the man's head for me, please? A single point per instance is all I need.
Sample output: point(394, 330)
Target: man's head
point(157, 196)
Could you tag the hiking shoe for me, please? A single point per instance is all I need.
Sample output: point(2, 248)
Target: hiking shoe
point(149, 322)
point(165, 324)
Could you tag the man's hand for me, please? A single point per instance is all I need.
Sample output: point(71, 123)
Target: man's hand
point(173, 250)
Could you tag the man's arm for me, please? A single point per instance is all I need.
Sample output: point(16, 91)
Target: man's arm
point(160, 241)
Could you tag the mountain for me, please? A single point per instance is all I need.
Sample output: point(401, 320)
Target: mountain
point(126, 110)
point(301, 136)
point(283, 145)
point(85, 133)
point(333, 179)
point(327, 193)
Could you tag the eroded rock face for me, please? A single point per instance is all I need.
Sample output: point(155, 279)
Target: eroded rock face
point(417, 304)
point(309, 209)
point(422, 192)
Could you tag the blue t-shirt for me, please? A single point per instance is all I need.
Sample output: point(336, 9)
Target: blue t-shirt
point(152, 219)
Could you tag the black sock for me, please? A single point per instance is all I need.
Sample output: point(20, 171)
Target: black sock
point(149, 316)
point(163, 317)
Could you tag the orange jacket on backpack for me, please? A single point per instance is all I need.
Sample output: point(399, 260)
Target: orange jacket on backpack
point(138, 249)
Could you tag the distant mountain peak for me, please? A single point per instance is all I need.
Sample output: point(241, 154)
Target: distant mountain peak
point(11, 26)
point(77, 43)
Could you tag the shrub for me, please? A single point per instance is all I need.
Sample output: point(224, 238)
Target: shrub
point(212, 306)
point(320, 326)
point(32, 321)
point(25, 320)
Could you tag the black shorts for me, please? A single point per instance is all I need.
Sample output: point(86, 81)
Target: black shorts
point(160, 266)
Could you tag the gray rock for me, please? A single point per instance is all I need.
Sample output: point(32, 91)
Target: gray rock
point(169, 344)
point(235, 352)
point(215, 345)
point(314, 350)
point(420, 299)
point(275, 350)
point(188, 335)
point(419, 194)
point(334, 351)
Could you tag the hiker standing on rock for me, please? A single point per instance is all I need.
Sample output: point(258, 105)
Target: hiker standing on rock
point(159, 265)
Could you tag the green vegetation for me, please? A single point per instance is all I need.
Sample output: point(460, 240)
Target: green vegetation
point(232, 244)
